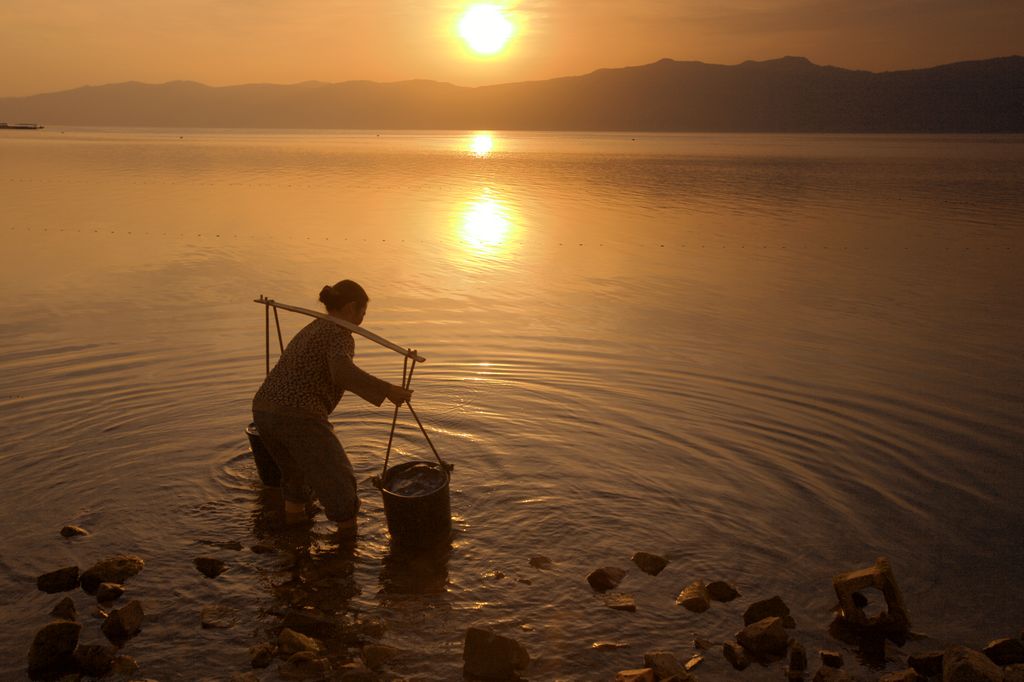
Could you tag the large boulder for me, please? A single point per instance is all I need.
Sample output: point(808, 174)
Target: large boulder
point(124, 623)
point(61, 580)
point(960, 664)
point(53, 650)
point(694, 597)
point(491, 656)
point(113, 570)
point(765, 638)
point(765, 608)
point(652, 564)
point(606, 578)
point(1006, 651)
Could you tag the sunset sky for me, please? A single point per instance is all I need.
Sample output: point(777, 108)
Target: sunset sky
point(48, 45)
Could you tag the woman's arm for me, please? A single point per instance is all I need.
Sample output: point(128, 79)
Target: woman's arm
point(349, 377)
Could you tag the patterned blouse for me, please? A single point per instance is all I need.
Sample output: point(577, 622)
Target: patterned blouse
point(313, 373)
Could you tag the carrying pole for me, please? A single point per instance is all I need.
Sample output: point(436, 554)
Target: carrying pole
point(354, 328)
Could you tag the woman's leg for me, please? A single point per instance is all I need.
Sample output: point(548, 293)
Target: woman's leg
point(329, 473)
point(279, 435)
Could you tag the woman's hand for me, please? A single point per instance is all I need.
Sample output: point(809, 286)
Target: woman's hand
point(398, 395)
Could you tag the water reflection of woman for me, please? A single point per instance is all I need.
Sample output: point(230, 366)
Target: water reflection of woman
point(292, 405)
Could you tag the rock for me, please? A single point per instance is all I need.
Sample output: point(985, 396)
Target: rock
point(262, 655)
point(702, 644)
point(665, 665)
point(492, 656)
point(788, 622)
point(635, 675)
point(793, 675)
point(927, 664)
point(764, 638)
point(124, 623)
point(797, 656)
point(608, 646)
point(541, 562)
point(209, 566)
point(95, 660)
point(831, 659)
point(1013, 673)
point(651, 564)
point(694, 597)
point(356, 672)
point(315, 624)
point(52, 651)
point(107, 592)
point(765, 608)
point(606, 578)
point(719, 590)
point(113, 570)
point(263, 548)
point(829, 674)
point(960, 664)
point(65, 609)
point(376, 655)
point(291, 642)
point(1006, 651)
point(218, 616)
point(734, 653)
point(124, 665)
point(61, 580)
point(72, 531)
point(374, 628)
point(908, 675)
point(304, 665)
point(852, 602)
point(620, 602)
point(694, 661)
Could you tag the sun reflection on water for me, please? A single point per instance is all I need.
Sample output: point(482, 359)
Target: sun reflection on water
point(481, 144)
point(485, 225)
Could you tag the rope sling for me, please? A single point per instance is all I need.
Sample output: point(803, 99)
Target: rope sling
point(407, 371)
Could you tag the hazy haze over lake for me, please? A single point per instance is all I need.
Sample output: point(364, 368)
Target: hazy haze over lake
point(770, 358)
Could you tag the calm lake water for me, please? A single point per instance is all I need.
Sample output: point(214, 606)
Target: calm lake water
point(768, 358)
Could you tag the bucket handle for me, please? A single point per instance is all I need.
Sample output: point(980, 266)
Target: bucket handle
point(406, 382)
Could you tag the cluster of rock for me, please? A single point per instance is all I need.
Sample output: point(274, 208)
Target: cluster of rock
point(56, 650)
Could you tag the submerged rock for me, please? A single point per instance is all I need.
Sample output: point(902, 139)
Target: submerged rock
point(262, 655)
point(72, 531)
point(765, 608)
point(541, 562)
point(908, 675)
point(313, 624)
point(124, 623)
point(620, 602)
point(960, 664)
point(52, 651)
point(736, 656)
point(694, 597)
point(304, 665)
point(606, 578)
point(376, 655)
point(651, 564)
point(831, 659)
point(797, 656)
point(1006, 651)
point(61, 580)
point(95, 660)
point(764, 638)
point(263, 548)
point(218, 617)
point(829, 674)
point(635, 675)
point(65, 609)
point(665, 665)
point(720, 590)
point(290, 642)
point(113, 570)
point(209, 566)
point(927, 664)
point(491, 656)
point(107, 592)
point(124, 665)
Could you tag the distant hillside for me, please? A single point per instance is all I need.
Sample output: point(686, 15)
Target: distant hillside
point(782, 95)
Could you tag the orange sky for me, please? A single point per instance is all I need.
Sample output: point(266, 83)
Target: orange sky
point(48, 45)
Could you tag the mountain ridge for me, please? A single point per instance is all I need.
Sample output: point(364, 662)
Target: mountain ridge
point(788, 94)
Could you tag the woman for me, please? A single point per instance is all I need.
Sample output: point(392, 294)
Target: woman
point(291, 409)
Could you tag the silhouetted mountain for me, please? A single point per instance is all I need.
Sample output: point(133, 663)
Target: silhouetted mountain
point(782, 95)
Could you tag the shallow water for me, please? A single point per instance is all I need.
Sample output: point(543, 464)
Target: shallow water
point(768, 358)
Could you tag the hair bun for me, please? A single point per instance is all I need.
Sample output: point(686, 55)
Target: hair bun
point(326, 294)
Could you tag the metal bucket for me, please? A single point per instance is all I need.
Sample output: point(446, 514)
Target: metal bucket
point(417, 520)
point(266, 467)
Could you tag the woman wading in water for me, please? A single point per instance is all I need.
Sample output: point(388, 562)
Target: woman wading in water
point(291, 408)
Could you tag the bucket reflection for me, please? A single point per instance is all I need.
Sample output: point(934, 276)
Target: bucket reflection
point(408, 572)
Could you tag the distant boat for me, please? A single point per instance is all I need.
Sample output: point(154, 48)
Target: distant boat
point(22, 126)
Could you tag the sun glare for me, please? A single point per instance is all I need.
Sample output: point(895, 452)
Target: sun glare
point(482, 144)
point(485, 29)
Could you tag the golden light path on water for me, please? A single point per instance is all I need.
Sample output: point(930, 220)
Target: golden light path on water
point(485, 224)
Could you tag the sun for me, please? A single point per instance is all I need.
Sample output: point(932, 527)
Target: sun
point(485, 29)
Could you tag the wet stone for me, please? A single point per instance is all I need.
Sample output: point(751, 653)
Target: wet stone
point(209, 566)
point(1006, 651)
point(829, 674)
point(665, 665)
point(635, 675)
point(124, 665)
point(908, 675)
point(831, 659)
point(262, 655)
point(620, 602)
point(960, 664)
point(290, 642)
point(928, 664)
point(608, 646)
point(356, 672)
point(263, 548)
point(606, 578)
point(65, 609)
point(702, 644)
point(72, 531)
point(376, 655)
point(734, 653)
point(61, 580)
point(95, 660)
point(764, 638)
point(52, 651)
point(108, 592)
point(313, 623)
point(113, 570)
point(765, 608)
point(652, 564)
point(694, 597)
point(797, 656)
point(1014, 673)
point(304, 665)
point(218, 617)
point(541, 562)
point(694, 661)
point(491, 656)
point(720, 590)
point(123, 623)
